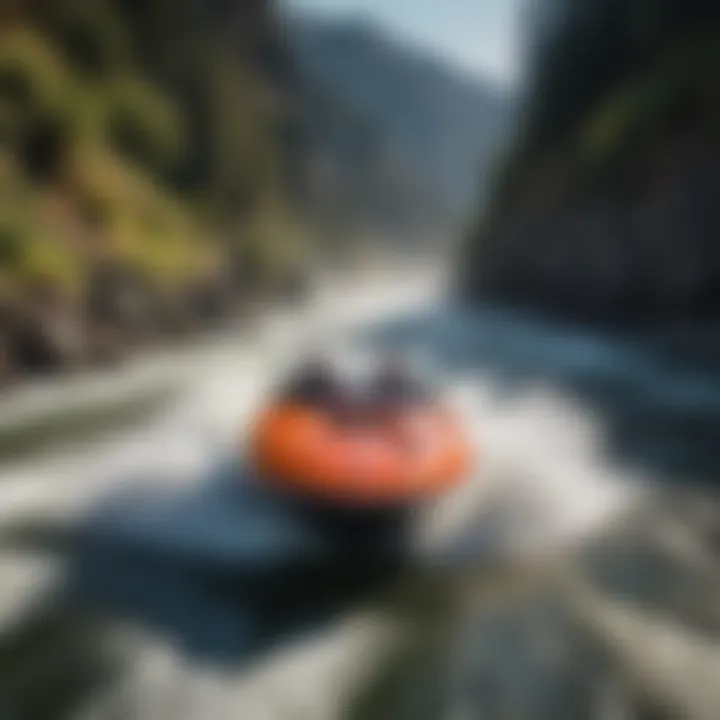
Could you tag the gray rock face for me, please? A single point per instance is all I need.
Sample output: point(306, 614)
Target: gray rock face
point(619, 226)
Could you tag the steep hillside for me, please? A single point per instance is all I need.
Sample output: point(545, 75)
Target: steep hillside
point(608, 204)
point(444, 129)
point(141, 170)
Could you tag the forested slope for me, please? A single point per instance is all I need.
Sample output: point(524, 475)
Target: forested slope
point(142, 170)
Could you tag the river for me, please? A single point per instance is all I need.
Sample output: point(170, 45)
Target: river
point(574, 575)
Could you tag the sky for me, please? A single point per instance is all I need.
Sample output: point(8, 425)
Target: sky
point(479, 36)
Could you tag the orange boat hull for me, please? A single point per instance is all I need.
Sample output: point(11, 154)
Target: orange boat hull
point(406, 459)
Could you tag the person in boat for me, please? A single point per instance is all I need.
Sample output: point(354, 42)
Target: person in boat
point(396, 385)
point(315, 383)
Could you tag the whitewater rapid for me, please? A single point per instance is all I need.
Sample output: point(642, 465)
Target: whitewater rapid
point(542, 483)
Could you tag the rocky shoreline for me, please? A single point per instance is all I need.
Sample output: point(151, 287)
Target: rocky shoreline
point(48, 332)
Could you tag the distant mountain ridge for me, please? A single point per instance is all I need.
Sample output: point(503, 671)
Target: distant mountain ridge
point(445, 127)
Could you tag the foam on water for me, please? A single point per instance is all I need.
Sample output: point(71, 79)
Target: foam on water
point(542, 476)
point(542, 481)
